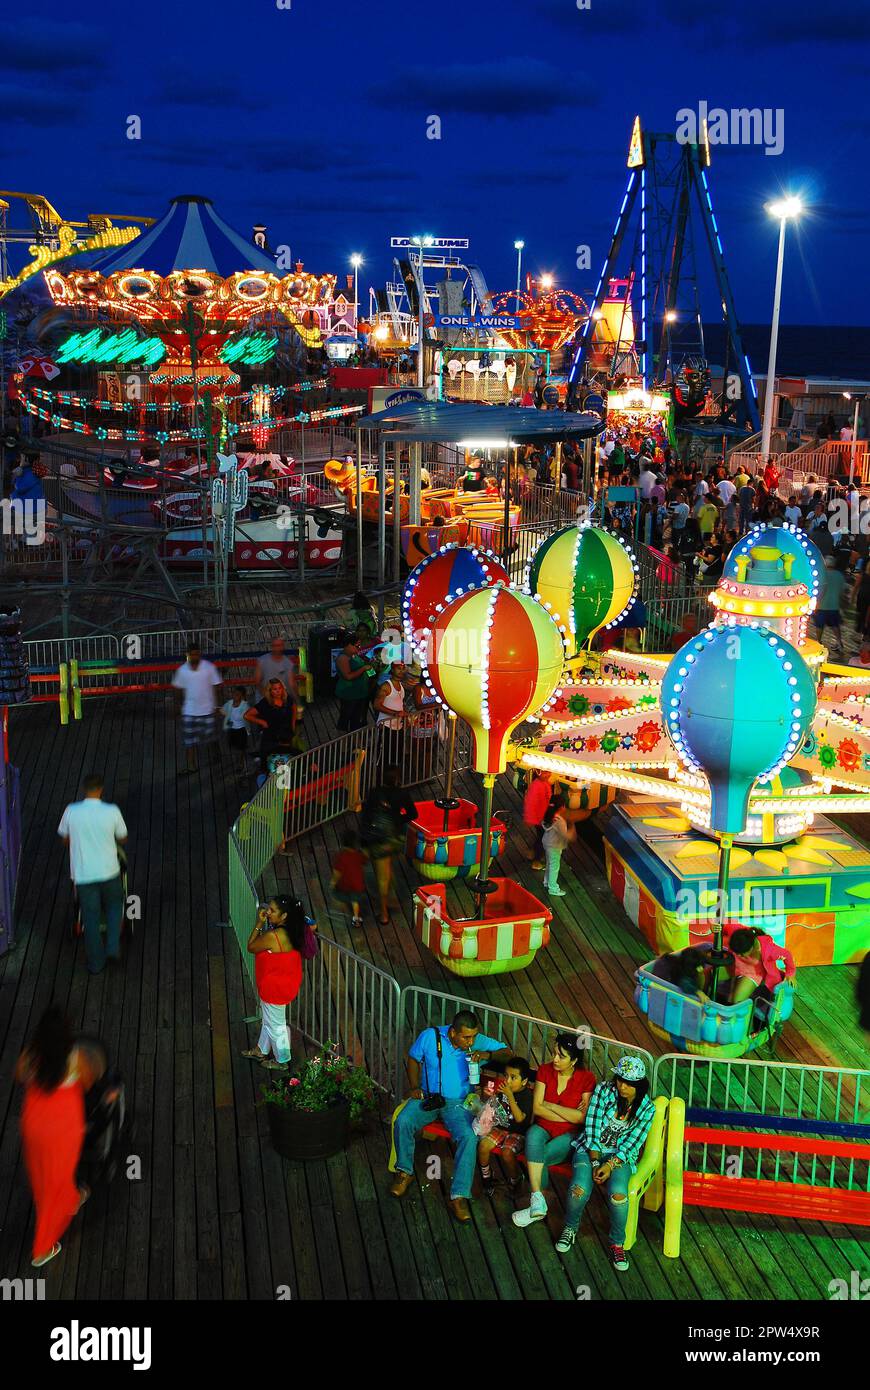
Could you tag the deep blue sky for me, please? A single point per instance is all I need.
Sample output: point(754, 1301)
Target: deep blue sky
point(312, 119)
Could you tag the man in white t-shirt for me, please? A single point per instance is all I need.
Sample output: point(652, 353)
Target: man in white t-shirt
point(726, 490)
point(93, 829)
point(647, 480)
point(197, 683)
point(793, 513)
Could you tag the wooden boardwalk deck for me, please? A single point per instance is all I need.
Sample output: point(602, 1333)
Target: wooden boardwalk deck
point(216, 1213)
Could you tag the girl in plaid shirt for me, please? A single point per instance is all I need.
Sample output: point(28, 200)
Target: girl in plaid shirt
point(617, 1123)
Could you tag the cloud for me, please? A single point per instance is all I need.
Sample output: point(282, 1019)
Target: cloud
point(775, 22)
point(29, 107)
point(348, 206)
point(507, 178)
point(514, 87)
point(275, 156)
point(36, 45)
point(175, 88)
point(602, 16)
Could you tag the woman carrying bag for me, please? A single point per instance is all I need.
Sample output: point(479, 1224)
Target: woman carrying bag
point(55, 1075)
point(279, 941)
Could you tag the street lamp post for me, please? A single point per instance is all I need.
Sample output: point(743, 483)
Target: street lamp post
point(857, 399)
point(670, 317)
point(784, 209)
point(518, 247)
point(420, 242)
point(356, 261)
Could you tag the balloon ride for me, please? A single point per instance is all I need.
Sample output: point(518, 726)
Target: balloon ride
point(585, 579)
point(492, 657)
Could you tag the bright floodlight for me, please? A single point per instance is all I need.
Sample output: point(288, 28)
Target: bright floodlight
point(671, 316)
point(381, 332)
point(518, 245)
point(785, 208)
point(356, 260)
point(546, 282)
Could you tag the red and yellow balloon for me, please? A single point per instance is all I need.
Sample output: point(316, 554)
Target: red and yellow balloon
point(495, 656)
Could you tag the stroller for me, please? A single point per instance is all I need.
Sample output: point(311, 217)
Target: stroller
point(107, 1120)
point(77, 928)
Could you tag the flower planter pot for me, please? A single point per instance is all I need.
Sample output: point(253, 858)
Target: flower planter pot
point(305, 1134)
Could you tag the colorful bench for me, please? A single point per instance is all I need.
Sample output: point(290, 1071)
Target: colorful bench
point(804, 1200)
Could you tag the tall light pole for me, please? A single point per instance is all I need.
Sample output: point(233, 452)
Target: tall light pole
point(849, 396)
point(518, 247)
point(785, 209)
point(356, 261)
point(420, 242)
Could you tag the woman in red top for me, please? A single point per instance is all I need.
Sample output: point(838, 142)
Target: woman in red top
point(563, 1090)
point(275, 943)
point(55, 1076)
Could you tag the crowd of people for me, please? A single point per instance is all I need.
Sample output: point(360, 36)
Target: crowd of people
point(694, 517)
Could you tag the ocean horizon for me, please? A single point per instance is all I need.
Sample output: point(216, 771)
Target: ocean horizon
point(802, 349)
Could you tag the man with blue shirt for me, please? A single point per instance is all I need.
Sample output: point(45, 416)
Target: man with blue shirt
point(438, 1066)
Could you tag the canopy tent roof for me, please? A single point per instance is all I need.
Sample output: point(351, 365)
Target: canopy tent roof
point(481, 425)
point(189, 236)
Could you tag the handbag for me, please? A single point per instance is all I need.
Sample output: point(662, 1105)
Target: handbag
point(309, 948)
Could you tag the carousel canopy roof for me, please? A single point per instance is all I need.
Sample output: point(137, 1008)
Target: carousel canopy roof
point(481, 425)
point(190, 236)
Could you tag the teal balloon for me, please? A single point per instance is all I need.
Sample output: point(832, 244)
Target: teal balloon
point(808, 563)
point(736, 703)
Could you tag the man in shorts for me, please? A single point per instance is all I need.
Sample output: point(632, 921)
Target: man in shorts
point(198, 683)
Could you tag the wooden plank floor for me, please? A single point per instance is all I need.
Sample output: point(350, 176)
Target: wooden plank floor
point(216, 1213)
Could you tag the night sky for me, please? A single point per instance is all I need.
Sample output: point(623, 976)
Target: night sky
point(313, 120)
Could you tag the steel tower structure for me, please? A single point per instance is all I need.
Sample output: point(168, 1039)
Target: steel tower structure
point(667, 181)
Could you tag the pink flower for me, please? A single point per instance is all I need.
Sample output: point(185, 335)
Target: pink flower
point(294, 1081)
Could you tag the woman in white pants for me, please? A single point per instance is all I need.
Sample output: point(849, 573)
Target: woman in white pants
point(275, 943)
point(558, 835)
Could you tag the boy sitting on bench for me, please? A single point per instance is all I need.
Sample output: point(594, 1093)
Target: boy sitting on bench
point(501, 1121)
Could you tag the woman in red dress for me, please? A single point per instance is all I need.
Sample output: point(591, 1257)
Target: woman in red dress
point(55, 1077)
point(275, 943)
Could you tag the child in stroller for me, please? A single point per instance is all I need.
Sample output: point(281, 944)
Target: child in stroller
point(105, 1116)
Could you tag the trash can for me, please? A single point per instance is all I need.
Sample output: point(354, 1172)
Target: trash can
point(14, 667)
point(325, 641)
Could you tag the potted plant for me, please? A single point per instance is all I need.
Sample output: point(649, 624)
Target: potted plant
point(310, 1113)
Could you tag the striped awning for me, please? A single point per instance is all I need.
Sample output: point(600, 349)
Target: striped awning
point(481, 425)
point(190, 236)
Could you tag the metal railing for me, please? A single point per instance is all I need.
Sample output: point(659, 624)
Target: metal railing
point(336, 777)
point(259, 827)
point(243, 901)
point(328, 780)
point(48, 652)
point(525, 1035)
point(832, 1101)
point(10, 852)
point(253, 840)
point(664, 617)
point(344, 999)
